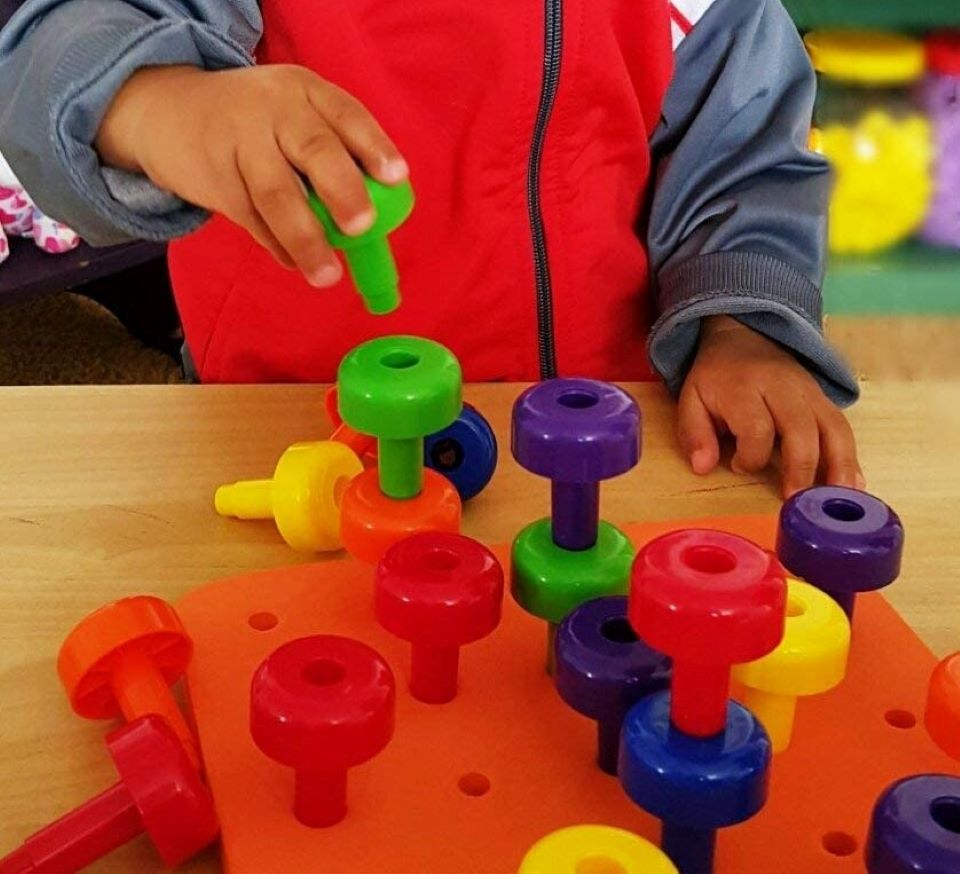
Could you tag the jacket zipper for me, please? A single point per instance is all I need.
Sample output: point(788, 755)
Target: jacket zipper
point(553, 46)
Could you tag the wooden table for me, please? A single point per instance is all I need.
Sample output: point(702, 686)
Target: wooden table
point(106, 492)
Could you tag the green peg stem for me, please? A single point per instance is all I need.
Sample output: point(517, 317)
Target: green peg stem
point(374, 273)
point(400, 463)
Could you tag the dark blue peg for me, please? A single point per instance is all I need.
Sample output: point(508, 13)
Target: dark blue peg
point(603, 669)
point(916, 827)
point(693, 785)
point(464, 452)
point(840, 540)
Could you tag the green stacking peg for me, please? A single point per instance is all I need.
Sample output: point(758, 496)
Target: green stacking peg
point(550, 582)
point(368, 254)
point(399, 390)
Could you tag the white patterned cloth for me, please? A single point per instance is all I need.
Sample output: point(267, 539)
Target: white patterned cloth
point(20, 217)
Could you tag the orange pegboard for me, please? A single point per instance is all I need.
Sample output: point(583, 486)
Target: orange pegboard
point(467, 788)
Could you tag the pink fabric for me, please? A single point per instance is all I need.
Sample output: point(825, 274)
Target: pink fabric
point(19, 217)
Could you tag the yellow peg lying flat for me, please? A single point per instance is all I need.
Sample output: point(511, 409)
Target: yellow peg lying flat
point(811, 659)
point(595, 849)
point(303, 497)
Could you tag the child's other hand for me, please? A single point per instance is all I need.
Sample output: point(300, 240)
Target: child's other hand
point(743, 384)
point(233, 142)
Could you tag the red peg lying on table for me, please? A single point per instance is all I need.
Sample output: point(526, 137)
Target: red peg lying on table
point(159, 793)
point(709, 600)
point(438, 591)
point(322, 705)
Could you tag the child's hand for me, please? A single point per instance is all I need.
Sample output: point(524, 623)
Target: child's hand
point(746, 385)
point(233, 142)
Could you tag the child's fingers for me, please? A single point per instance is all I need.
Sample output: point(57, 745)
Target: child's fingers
point(799, 440)
point(751, 423)
point(278, 198)
point(839, 448)
point(360, 133)
point(242, 212)
point(315, 149)
point(696, 431)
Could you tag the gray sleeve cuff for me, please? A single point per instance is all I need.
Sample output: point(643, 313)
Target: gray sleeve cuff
point(766, 294)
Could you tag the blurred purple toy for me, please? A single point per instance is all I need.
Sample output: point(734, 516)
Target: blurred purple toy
point(940, 96)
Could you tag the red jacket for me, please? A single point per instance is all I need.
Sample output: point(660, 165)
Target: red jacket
point(527, 140)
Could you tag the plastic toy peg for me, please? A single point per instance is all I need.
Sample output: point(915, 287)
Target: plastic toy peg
point(439, 592)
point(603, 669)
point(122, 660)
point(810, 660)
point(303, 498)
point(322, 705)
point(943, 706)
point(368, 255)
point(370, 522)
point(840, 540)
point(549, 582)
point(363, 444)
point(399, 389)
point(693, 785)
point(709, 600)
point(916, 827)
point(159, 793)
point(464, 452)
point(595, 849)
point(577, 432)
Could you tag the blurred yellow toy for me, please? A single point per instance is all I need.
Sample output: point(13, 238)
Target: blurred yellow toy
point(303, 498)
point(811, 659)
point(595, 849)
point(871, 131)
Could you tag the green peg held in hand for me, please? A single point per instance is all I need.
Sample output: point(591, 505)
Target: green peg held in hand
point(368, 255)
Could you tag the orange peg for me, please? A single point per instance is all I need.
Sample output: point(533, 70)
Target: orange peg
point(123, 659)
point(943, 706)
point(363, 444)
point(370, 522)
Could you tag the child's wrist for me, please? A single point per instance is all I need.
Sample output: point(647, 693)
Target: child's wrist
point(121, 135)
point(711, 326)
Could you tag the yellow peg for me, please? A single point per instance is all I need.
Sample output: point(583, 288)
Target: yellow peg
point(303, 498)
point(811, 659)
point(595, 849)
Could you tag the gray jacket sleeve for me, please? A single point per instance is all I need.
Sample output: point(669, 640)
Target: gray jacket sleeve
point(62, 62)
point(739, 214)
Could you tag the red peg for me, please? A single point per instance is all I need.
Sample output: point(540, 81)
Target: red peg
point(159, 793)
point(322, 705)
point(362, 444)
point(709, 600)
point(943, 706)
point(439, 591)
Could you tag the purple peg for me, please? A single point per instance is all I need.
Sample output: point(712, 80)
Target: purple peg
point(577, 432)
point(916, 827)
point(603, 669)
point(840, 540)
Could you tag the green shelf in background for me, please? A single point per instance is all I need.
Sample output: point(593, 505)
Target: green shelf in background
point(881, 14)
point(912, 280)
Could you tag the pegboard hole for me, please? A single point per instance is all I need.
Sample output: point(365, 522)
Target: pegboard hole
point(323, 672)
point(400, 359)
point(599, 865)
point(900, 718)
point(618, 630)
point(839, 844)
point(446, 455)
point(710, 559)
point(475, 785)
point(262, 621)
point(442, 560)
point(843, 510)
point(946, 814)
point(795, 608)
point(578, 399)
